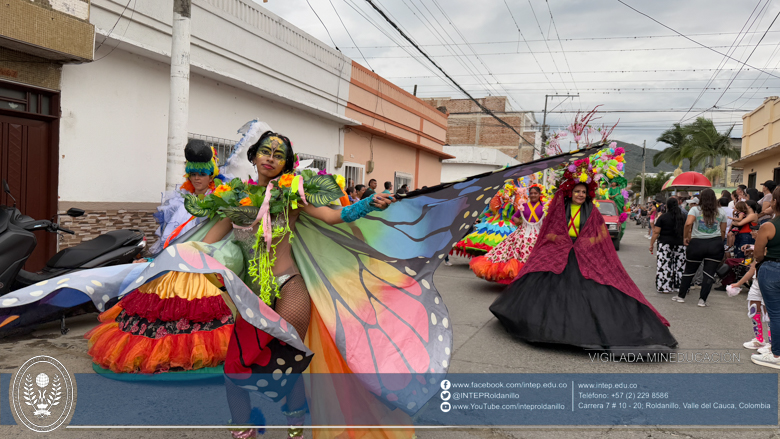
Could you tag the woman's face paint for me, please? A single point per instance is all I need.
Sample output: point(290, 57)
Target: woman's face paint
point(271, 157)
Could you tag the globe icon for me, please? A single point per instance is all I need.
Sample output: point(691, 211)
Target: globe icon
point(42, 380)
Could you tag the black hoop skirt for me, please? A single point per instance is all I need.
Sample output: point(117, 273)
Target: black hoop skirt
point(566, 308)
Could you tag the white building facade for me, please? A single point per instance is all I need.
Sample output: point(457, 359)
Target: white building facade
point(472, 160)
point(246, 63)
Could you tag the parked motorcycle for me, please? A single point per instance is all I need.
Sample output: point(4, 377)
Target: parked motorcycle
point(17, 242)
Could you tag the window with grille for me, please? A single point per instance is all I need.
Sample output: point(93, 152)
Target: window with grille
point(319, 162)
point(224, 147)
point(401, 179)
point(355, 172)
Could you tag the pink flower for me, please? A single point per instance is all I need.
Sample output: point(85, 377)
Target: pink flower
point(196, 327)
point(613, 144)
point(224, 319)
point(620, 166)
point(252, 182)
point(323, 172)
point(143, 329)
point(161, 332)
point(182, 325)
point(572, 168)
point(619, 151)
point(134, 329)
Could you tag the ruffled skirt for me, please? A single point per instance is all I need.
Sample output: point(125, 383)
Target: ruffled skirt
point(176, 322)
point(566, 308)
point(503, 263)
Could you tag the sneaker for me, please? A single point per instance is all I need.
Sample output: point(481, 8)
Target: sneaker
point(768, 360)
point(678, 299)
point(766, 349)
point(702, 303)
point(753, 344)
point(447, 263)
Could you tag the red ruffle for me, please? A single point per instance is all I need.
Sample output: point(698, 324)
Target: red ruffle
point(152, 307)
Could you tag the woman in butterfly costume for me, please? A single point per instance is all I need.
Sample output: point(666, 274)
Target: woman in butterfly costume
point(503, 263)
point(374, 315)
point(573, 289)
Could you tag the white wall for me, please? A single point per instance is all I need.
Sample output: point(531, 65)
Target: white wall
point(114, 126)
point(456, 171)
point(246, 63)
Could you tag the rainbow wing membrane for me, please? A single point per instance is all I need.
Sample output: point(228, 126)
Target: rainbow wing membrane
point(372, 282)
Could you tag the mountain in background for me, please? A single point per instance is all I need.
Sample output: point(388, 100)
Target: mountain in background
point(633, 166)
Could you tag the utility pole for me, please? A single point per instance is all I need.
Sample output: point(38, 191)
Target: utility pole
point(544, 118)
point(179, 103)
point(642, 194)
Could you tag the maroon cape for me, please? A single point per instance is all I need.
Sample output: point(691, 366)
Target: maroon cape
point(594, 250)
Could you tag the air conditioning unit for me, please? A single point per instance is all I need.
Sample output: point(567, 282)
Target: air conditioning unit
point(369, 166)
point(339, 160)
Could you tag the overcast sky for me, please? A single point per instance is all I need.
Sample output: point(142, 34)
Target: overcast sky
point(601, 50)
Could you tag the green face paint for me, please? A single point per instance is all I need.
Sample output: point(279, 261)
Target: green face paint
point(273, 147)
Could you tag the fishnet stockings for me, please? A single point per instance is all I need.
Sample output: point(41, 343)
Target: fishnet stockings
point(294, 306)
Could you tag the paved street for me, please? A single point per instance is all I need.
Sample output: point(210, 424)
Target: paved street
point(482, 345)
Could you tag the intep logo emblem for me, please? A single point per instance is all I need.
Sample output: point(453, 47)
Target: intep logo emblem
point(42, 394)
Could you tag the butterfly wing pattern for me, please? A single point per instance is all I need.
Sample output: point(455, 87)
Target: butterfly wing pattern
point(372, 282)
point(104, 286)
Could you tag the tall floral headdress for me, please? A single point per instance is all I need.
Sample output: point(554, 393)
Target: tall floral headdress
point(579, 172)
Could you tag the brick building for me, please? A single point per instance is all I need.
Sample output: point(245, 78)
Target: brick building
point(468, 125)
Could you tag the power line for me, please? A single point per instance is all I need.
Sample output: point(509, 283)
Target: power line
point(636, 49)
point(349, 34)
point(588, 71)
point(637, 37)
point(724, 60)
point(485, 109)
point(692, 40)
point(363, 14)
point(552, 20)
point(748, 58)
point(323, 25)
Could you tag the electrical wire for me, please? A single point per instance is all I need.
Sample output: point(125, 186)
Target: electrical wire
point(692, 40)
point(323, 25)
point(349, 34)
point(748, 59)
point(114, 26)
point(485, 109)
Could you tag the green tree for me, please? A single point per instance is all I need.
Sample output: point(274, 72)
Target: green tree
point(676, 137)
point(705, 144)
point(653, 184)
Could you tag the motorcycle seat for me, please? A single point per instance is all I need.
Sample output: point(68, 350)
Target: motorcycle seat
point(74, 257)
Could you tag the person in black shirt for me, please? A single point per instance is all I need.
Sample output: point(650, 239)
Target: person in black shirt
point(668, 231)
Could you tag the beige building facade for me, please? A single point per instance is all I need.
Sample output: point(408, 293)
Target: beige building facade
point(760, 160)
point(400, 137)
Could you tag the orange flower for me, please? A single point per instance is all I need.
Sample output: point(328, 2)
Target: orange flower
point(222, 189)
point(246, 202)
point(619, 158)
point(285, 180)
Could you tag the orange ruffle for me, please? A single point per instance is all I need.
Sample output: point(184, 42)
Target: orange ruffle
point(187, 286)
point(120, 352)
point(501, 272)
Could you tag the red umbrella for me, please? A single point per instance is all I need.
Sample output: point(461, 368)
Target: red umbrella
point(689, 180)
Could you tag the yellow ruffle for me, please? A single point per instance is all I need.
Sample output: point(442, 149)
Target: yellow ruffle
point(189, 286)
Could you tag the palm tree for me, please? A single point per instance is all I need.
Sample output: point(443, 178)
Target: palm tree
point(676, 138)
point(705, 144)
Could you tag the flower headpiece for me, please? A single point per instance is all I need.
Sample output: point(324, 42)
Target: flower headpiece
point(609, 164)
point(579, 172)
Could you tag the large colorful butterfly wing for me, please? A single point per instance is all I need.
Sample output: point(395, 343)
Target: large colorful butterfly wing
point(372, 282)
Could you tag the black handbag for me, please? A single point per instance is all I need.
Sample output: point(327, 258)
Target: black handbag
point(723, 271)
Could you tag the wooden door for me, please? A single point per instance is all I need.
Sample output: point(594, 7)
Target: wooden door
point(26, 163)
